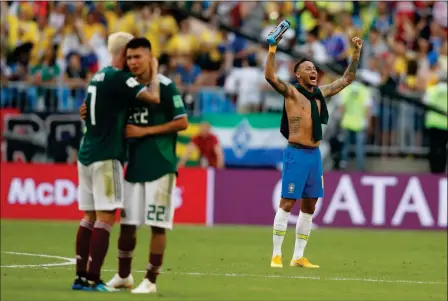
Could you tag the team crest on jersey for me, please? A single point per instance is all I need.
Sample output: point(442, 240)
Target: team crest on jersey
point(291, 187)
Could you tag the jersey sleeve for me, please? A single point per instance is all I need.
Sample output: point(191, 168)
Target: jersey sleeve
point(127, 87)
point(175, 101)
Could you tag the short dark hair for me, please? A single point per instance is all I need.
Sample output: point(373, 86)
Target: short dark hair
point(303, 60)
point(140, 42)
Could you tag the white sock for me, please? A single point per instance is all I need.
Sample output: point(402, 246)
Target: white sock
point(280, 225)
point(303, 229)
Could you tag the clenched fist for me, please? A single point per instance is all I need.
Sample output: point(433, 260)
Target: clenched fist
point(358, 43)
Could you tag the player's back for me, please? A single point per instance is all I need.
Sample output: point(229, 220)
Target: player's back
point(106, 118)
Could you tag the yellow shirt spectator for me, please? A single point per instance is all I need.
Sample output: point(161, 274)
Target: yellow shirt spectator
point(209, 43)
point(45, 38)
point(27, 32)
point(168, 25)
point(111, 19)
point(400, 65)
point(13, 31)
point(124, 23)
point(92, 27)
point(307, 19)
point(182, 44)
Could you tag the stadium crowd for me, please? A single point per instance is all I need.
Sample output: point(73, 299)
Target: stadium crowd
point(44, 41)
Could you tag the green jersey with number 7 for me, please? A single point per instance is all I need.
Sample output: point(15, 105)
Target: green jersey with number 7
point(110, 93)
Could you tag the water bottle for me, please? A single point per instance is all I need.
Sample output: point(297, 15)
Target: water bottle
point(275, 36)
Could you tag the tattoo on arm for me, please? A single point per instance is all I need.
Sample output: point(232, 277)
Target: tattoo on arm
point(279, 86)
point(348, 77)
point(276, 83)
point(294, 124)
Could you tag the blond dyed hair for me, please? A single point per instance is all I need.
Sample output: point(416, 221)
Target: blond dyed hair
point(117, 41)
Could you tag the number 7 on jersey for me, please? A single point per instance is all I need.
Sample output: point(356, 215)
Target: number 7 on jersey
point(92, 91)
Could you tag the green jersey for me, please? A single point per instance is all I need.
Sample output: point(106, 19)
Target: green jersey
point(109, 95)
point(152, 157)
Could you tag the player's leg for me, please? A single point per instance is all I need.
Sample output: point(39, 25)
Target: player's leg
point(131, 217)
point(84, 233)
point(303, 230)
point(312, 191)
point(156, 252)
point(108, 196)
point(294, 175)
point(159, 215)
point(279, 231)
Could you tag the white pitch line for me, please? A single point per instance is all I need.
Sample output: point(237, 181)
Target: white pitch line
point(295, 277)
point(68, 261)
point(71, 261)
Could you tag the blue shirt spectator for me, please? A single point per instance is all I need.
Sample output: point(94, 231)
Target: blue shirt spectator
point(188, 72)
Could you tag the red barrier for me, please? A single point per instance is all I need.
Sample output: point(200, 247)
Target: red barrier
point(3, 113)
point(46, 191)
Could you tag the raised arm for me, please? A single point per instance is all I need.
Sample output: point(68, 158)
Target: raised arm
point(269, 73)
point(349, 74)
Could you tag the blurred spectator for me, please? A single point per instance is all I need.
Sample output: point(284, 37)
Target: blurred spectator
point(76, 77)
point(188, 78)
point(46, 72)
point(356, 104)
point(45, 39)
point(5, 71)
point(336, 43)
point(414, 116)
point(398, 57)
point(56, 18)
point(167, 67)
point(184, 43)
point(431, 77)
point(246, 84)
point(373, 47)
point(437, 126)
point(187, 72)
point(19, 62)
point(439, 13)
point(211, 154)
point(383, 21)
point(388, 110)
point(27, 27)
point(345, 21)
point(147, 25)
point(210, 57)
point(437, 36)
point(370, 73)
point(409, 82)
point(314, 47)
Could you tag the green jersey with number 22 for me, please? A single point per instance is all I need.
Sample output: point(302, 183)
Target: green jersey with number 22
point(109, 95)
point(152, 157)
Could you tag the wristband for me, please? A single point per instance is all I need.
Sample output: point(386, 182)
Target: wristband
point(272, 48)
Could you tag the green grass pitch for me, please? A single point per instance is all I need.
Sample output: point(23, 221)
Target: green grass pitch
point(232, 263)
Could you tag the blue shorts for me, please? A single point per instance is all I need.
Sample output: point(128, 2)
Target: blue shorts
point(302, 175)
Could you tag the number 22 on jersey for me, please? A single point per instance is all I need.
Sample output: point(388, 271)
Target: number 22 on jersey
point(92, 91)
